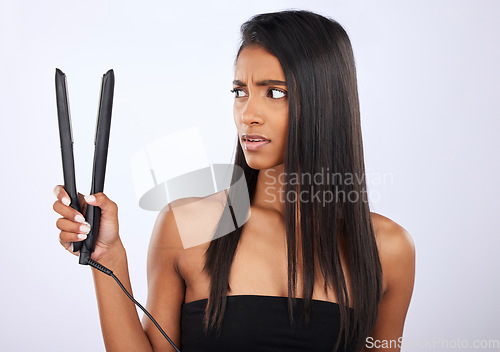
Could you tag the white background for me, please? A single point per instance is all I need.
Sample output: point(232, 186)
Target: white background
point(428, 74)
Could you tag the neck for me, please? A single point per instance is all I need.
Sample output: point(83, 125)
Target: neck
point(269, 193)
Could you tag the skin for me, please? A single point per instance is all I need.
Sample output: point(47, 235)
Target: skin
point(175, 273)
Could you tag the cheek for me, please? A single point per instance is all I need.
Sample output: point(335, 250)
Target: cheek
point(237, 113)
point(235, 116)
point(284, 126)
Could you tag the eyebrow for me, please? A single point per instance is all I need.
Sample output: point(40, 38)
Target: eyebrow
point(266, 82)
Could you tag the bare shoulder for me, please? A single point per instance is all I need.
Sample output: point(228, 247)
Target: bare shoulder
point(396, 249)
point(188, 222)
point(397, 257)
point(391, 237)
point(166, 285)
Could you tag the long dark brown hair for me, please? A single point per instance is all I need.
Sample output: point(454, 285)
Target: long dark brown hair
point(324, 134)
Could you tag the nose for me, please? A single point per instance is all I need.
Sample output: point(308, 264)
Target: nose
point(250, 114)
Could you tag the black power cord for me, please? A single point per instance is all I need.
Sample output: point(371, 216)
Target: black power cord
point(107, 271)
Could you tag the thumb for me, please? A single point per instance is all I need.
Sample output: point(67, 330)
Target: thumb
point(102, 201)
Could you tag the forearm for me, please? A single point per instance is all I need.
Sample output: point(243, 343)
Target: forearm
point(120, 324)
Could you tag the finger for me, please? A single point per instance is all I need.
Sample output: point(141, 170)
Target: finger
point(69, 247)
point(68, 212)
point(62, 195)
point(102, 201)
point(67, 237)
point(75, 228)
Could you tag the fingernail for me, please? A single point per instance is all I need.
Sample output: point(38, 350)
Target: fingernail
point(89, 199)
point(82, 236)
point(65, 201)
point(79, 218)
point(84, 229)
point(72, 248)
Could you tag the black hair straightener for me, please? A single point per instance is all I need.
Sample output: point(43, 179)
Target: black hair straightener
point(92, 213)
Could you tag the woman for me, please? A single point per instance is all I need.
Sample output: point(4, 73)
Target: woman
point(312, 269)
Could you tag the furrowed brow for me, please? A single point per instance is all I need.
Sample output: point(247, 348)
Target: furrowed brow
point(237, 82)
point(271, 82)
point(266, 82)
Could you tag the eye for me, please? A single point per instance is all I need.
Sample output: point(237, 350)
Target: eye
point(238, 92)
point(276, 93)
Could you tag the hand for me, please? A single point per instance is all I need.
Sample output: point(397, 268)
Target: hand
point(74, 228)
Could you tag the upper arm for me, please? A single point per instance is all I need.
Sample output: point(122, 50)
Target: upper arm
point(397, 257)
point(166, 287)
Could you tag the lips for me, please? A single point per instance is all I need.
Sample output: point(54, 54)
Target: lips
point(254, 141)
point(254, 137)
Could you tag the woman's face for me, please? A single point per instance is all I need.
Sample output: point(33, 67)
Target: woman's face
point(260, 107)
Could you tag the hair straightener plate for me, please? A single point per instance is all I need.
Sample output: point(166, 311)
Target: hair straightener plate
point(101, 141)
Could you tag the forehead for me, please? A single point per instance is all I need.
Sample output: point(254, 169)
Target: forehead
point(255, 62)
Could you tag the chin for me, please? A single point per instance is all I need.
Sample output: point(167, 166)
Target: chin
point(261, 163)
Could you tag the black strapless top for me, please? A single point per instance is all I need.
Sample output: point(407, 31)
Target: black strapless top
point(257, 323)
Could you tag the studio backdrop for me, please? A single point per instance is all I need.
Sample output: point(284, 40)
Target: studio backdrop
point(428, 78)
